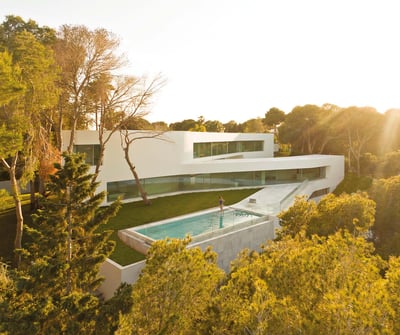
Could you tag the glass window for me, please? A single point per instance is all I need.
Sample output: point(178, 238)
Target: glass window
point(219, 148)
point(207, 149)
point(258, 145)
point(248, 146)
point(233, 147)
point(127, 189)
point(91, 151)
point(201, 149)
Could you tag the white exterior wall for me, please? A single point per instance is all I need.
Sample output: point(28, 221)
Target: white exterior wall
point(172, 154)
point(168, 155)
point(115, 274)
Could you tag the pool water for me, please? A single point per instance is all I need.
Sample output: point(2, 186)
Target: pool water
point(197, 224)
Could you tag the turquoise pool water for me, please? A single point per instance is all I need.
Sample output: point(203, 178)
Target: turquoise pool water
point(197, 224)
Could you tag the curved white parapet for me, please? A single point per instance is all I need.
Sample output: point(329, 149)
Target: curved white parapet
point(135, 240)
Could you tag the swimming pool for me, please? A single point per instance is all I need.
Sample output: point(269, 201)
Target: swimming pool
point(197, 224)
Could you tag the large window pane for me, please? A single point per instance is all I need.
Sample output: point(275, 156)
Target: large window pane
point(219, 148)
point(91, 151)
point(207, 149)
point(127, 189)
point(201, 149)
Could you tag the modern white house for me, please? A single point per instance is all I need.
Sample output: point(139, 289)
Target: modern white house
point(182, 161)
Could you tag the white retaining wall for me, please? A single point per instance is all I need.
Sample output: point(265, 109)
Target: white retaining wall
point(116, 274)
point(227, 247)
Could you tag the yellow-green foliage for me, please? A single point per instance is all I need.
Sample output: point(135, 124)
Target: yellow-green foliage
point(354, 212)
point(174, 289)
point(307, 286)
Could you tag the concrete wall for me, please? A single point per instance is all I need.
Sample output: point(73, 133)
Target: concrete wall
point(227, 247)
point(116, 274)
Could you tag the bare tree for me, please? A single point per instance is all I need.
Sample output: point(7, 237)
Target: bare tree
point(118, 101)
point(127, 138)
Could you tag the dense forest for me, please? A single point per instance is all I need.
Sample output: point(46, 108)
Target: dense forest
point(334, 267)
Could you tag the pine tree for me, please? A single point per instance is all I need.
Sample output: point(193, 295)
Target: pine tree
point(59, 277)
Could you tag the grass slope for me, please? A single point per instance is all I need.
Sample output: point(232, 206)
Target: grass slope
point(134, 214)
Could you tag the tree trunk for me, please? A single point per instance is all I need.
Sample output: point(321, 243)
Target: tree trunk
point(99, 163)
point(59, 129)
point(33, 196)
point(16, 193)
point(142, 192)
point(70, 148)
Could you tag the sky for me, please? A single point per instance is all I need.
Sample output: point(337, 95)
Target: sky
point(235, 59)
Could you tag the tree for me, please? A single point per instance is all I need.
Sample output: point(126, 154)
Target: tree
point(359, 128)
point(254, 126)
point(27, 109)
point(390, 165)
point(183, 125)
point(214, 126)
point(30, 48)
point(369, 165)
point(389, 138)
point(40, 75)
point(245, 304)
point(160, 126)
point(353, 212)
point(59, 276)
point(14, 25)
point(296, 219)
point(393, 286)
point(7, 293)
point(93, 92)
point(273, 118)
point(306, 286)
point(174, 289)
point(199, 125)
point(139, 123)
point(11, 86)
point(386, 230)
point(232, 127)
point(119, 102)
point(308, 129)
point(11, 143)
point(3, 197)
point(84, 57)
point(127, 138)
point(352, 183)
point(6, 284)
point(71, 215)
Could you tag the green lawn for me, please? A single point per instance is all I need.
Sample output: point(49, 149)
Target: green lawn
point(134, 214)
